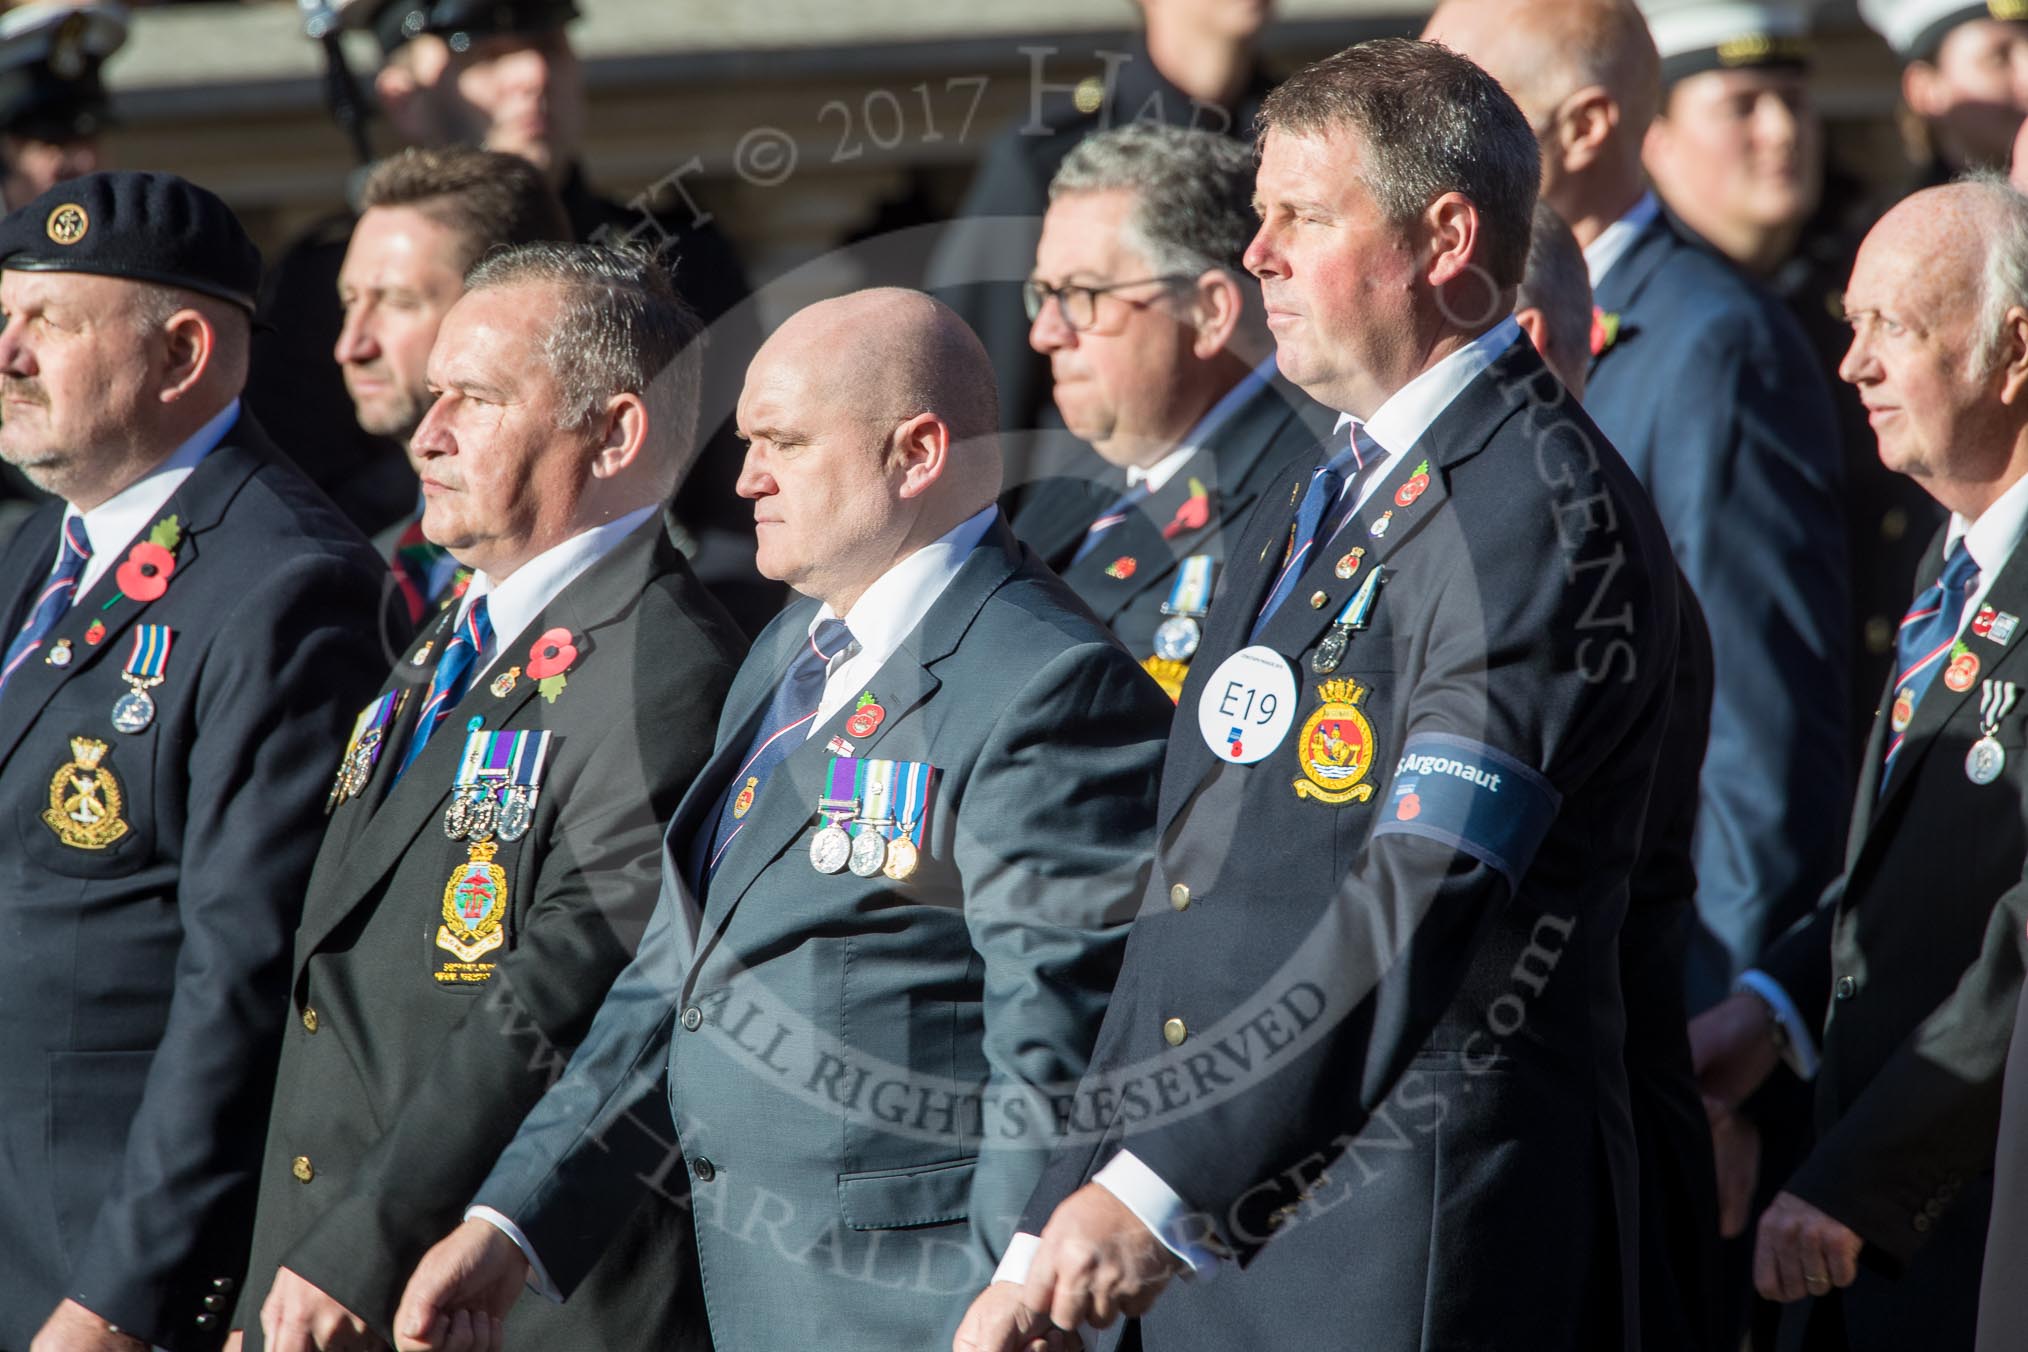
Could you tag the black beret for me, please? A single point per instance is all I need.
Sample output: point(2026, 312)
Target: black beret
point(146, 227)
point(460, 22)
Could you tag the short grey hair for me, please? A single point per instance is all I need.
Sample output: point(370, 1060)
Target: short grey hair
point(1428, 122)
point(1193, 192)
point(2003, 281)
point(621, 329)
point(1557, 282)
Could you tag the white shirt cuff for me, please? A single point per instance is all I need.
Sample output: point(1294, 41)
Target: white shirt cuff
point(1156, 1205)
point(538, 1275)
point(1020, 1256)
point(1801, 1053)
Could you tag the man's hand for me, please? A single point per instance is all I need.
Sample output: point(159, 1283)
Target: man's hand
point(72, 1328)
point(234, 1341)
point(1731, 1049)
point(1096, 1263)
point(1802, 1252)
point(299, 1317)
point(1735, 1147)
point(999, 1322)
point(460, 1292)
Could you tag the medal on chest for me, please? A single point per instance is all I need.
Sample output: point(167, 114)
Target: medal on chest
point(147, 662)
point(1987, 759)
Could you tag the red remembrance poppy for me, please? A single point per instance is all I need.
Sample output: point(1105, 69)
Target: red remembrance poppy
point(145, 573)
point(552, 655)
point(1194, 514)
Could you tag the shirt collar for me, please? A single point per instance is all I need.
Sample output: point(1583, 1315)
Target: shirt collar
point(888, 611)
point(1992, 538)
point(1614, 241)
point(1157, 475)
point(1400, 422)
point(111, 524)
point(512, 605)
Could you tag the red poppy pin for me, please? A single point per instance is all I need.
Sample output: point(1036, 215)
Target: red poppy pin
point(144, 574)
point(1406, 495)
point(548, 660)
point(1194, 514)
point(1605, 330)
point(1122, 568)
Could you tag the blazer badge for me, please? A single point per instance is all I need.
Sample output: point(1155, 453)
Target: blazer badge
point(475, 909)
point(1336, 748)
point(84, 799)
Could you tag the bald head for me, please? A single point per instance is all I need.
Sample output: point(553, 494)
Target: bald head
point(1586, 74)
point(1946, 384)
point(870, 421)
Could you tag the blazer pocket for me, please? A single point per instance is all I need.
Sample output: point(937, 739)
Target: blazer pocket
point(89, 817)
point(898, 1199)
point(93, 1097)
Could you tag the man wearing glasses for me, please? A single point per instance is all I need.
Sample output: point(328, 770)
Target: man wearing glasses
point(1161, 361)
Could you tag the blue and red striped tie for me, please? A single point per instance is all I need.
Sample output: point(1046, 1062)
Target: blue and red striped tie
point(1928, 632)
point(1330, 497)
point(785, 727)
point(54, 599)
point(453, 676)
point(1111, 517)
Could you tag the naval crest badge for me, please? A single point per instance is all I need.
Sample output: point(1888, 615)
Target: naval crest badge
point(84, 799)
point(474, 911)
point(1336, 747)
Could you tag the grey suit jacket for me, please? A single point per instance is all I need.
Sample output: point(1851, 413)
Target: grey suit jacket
point(861, 1072)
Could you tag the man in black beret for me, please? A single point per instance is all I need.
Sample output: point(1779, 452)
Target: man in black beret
point(502, 74)
point(187, 630)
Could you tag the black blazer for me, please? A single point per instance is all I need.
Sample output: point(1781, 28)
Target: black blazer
point(139, 981)
point(399, 1089)
point(1369, 1058)
point(1914, 958)
point(1263, 435)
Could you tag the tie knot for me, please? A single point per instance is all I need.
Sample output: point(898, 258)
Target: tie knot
point(829, 638)
point(477, 630)
point(76, 542)
point(1959, 570)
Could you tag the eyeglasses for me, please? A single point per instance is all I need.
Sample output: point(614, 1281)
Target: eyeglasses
point(1079, 304)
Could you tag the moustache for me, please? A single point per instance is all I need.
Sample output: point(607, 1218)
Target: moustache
point(23, 389)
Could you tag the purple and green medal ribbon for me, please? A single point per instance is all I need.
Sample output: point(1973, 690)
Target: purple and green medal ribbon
point(149, 656)
point(502, 760)
point(871, 790)
point(844, 782)
point(371, 732)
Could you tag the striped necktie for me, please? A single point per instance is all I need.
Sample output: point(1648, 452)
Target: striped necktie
point(453, 676)
point(1928, 632)
point(1330, 499)
point(1111, 517)
point(54, 599)
point(785, 727)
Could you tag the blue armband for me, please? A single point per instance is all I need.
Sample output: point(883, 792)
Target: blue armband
point(1473, 798)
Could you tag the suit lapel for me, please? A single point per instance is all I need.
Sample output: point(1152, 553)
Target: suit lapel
point(1620, 290)
point(903, 684)
point(198, 504)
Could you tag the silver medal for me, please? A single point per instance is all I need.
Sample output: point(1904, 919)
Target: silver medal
point(134, 711)
point(830, 849)
point(869, 852)
point(458, 816)
point(516, 814)
point(484, 815)
point(1177, 637)
point(1330, 651)
point(1985, 761)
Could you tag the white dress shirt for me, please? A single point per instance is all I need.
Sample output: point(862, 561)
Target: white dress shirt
point(1614, 241)
point(1396, 426)
point(113, 525)
point(1991, 541)
point(885, 614)
point(512, 605)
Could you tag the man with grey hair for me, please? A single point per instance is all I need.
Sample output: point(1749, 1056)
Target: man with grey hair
point(1398, 829)
point(1161, 361)
point(494, 822)
point(1915, 950)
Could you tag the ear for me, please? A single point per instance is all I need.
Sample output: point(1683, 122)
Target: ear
point(1536, 327)
point(623, 431)
point(920, 452)
point(2014, 358)
point(1217, 305)
point(190, 342)
point(1922, 89)
point(1584, 125)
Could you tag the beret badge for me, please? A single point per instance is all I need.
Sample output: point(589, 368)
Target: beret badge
point(68, 223)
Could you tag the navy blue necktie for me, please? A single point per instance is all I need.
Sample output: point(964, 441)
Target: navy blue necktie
point(785, 727)
point(54, 599)
point(453, 676)
point(1928, 632)
point(1110, 518)
point(1329, 498)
